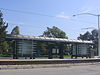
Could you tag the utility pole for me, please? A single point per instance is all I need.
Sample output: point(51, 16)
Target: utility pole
point(98, 16)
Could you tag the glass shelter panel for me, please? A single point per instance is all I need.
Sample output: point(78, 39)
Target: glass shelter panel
point(80, 49)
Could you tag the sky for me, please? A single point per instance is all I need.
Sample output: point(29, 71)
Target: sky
point(34, 16)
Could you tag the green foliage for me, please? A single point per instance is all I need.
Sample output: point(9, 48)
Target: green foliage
point(54, 32)
point(4, 48)
point(43, 47)
point(85, 36)
point(15, 30)
point(93, 36)
point(3, 43)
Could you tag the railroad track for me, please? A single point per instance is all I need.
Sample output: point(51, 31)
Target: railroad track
point(45, 61)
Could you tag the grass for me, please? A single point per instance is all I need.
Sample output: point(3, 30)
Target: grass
point(42, 56)
point(54, 56)
point(4, 57)
point(67, 56)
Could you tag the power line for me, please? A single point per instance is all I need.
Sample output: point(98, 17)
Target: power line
point(26, 12)
point(82, 21)
point(88, 28)
point(35, 13)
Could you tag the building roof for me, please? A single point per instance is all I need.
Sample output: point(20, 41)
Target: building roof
point(37, 38)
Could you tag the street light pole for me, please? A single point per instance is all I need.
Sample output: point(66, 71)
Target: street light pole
point(98, 36)
point(98, 29)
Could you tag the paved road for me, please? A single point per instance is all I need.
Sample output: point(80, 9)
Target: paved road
point(71, 70)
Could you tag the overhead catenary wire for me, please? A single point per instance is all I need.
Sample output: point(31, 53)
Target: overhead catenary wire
point(27, 12)
point(40, 14)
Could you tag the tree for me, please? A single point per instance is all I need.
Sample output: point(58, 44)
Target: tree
point(54, 32)
point(5, 48)
point(85, 36)
point(95, 40)
point(15, 30)
point(3, 42)
point(93, 36)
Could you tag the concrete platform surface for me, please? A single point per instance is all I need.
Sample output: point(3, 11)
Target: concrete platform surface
point(68, 70)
